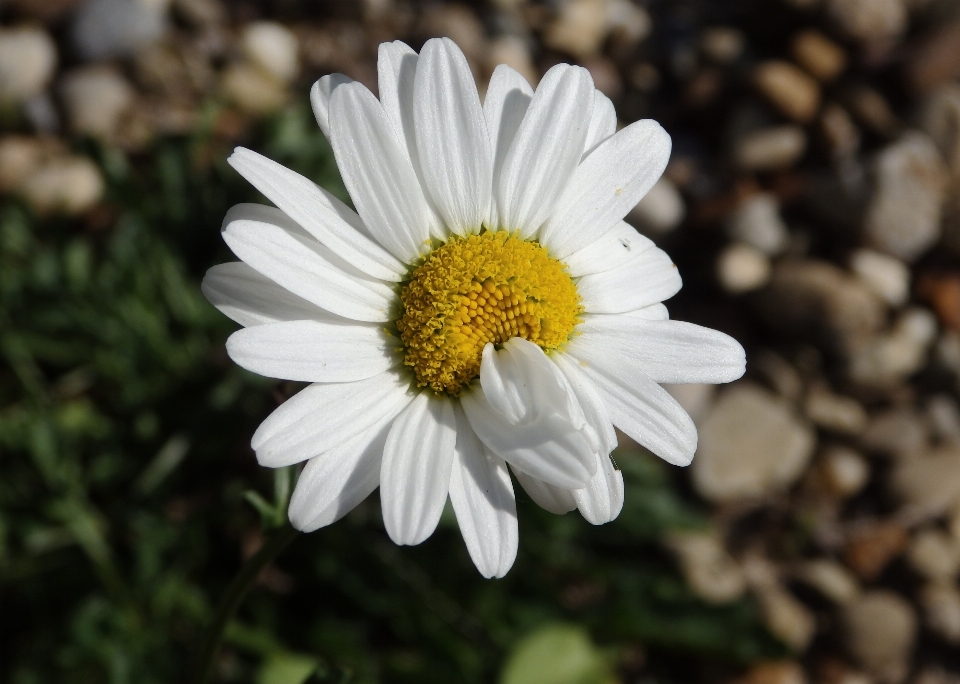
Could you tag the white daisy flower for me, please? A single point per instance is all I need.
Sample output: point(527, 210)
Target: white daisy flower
point(485, 306)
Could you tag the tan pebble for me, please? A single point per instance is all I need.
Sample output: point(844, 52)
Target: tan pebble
point(792, 91)
point(819, 55)
point(68, 185)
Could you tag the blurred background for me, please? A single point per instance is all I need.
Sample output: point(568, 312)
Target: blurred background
point(811, 205)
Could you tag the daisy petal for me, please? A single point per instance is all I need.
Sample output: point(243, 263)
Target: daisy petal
point(640, 407)
point(508, 96)
point(529, 418)
point(482, 497)
point(320, 94)
point(609, 182)
point(550, 498)
point(665, 351)
point(321, 214)
point(334, 483)
point(266, 239)
point(648, 279)
point(247, 297)
point(603, 122)
point(590, 403)
point(323, 416)
point(396, 70)
point(618, 247)
point(314, 351)
point(378, 173)
point(602, 499)
point(452, 140)
point(546, 149)
point(654, 312)
point(415, 473)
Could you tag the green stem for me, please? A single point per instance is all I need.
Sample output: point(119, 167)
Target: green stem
point(276, 542)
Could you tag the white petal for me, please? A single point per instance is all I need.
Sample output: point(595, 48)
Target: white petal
point(603, 122)
point(334, 483)
point(452, 141)
point(590, 403)
point(378, 173)
point(315, 351)
point(618, 247)
point(554, 499)
point(266, 239)
point(648, 279)
point(642, 409)
point(415, 473)
point(249, 298)
point(482, 498)
point(665, 351)
point(508, 96)
point(654, 312)
point(320, 99)
point(396, 70)
point(546, 149)
point(530, 418)
point(606, 185)
point(321, 214)
point(323, 416)
point(602, 499)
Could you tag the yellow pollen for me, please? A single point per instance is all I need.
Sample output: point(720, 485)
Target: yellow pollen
point(480, 289)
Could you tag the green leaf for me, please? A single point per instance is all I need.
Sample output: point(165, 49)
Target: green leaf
point(557, 653)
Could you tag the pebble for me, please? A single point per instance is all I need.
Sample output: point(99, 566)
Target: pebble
point(903, 218)
point(937, 59)
point(819, 55)
point(628, 21)
point(897, 432)
point(251, 90)
point(792, 91)
point(841, 134)
point(891, 357)
point(661, 210)
point(787, 618)
point(751, 444)
point(844, 470)
point(96, 99)
point(458, 22)
point(20, 156)
point(934, 554)
point(779, 374)
point(931, 482)
point(831, 579)
point(872, 22)
point(273, 48)
point(872, 546)
point(944, 416)
point(770, 148)
point(515, 53)
point(873, 110)
point(28, 59)
point(605, 74)
point(104, 29)
point(722, 44)
point(942, 292)
point(940, 119)
point(886, 275)
point(941, 610)
point(580, 28)
point(774, 672)
point(881, 630)
point(742, 268)
point(756, 221)
point(695, 398)
point(835, 412)
point(710, 572)
point(68, 185)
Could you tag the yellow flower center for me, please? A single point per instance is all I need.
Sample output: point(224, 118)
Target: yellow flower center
point(479, 289)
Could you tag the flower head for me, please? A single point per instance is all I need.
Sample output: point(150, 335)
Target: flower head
point(484, 310)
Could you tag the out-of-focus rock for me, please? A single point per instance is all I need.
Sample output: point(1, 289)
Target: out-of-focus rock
point(872, 22)
point(582, 25)
point(20, 156)
point(934, 554)
point(789, 89)
point(751, 444)
point(811, 298)
point(881, 629)
point(844, 471)
point(780, 374)
point(873, 111)
point(831, 579)
point(897, 354)
point(774, 672)
point(787, 618)
point(940, 119)
point(896, 432)
point(67, 185)
point(722, 44)
point(103, 29)
point(819, 55)
point(904, 215)
point(770, 148)
point(605, 74)
point(930, 482)
point(660, 211)
point(948, 351)
point(273, 48)
point(458, 22)
point(515, 53)
point(935, 675)
point(756, 221)
point(707, 567)
point(937, 60)
point(96, 99)
point(941, 610)
point(251, 90)
point(872, 546)
point(942, 291)
point(695, 398)
point(201, 13)
point(885, 275)
point(28, 59)
point(840, 132)
point(944, 416)
point(742, 268)
point(834, 412)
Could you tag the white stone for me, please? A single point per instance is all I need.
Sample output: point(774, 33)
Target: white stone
point(695, 398)
point(831, 579)
point(723, 44)
point(20, 156)
point(845, 471)
point(751, 444)
point(96, 98)
point(940, 119)
point(787, 618)
point(881, 628)
point(273, 48)
point(944, 417)
point(742, 268)
point(835, 412)
point(929, 482)
point(886, 275)
point(897, 432)
point(934, 554)
point(28, 59)
point(941, 610)
point(770, 148)
point(515, 53)
point(251, 90)
point(68, 185)
point(891, 357)
point(869, 21)
point(661, 210)
point(757, 222)
point(103, 29)
point(708, 569)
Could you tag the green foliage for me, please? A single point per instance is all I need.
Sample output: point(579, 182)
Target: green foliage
point(129, 497)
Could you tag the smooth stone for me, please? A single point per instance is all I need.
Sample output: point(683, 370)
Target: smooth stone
point(934, 554)
point(929, 482)
point(791, 90)
point(819, 55)
point(709, 570)
point(661, 210)
point(273, 48)
point(886, 275)
point(873, 22)
point(776, 147)
point(96, 99)
point(66, 185)
point(757, 222)
point(28, 60)
point(881, 628)
point(104, 29)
